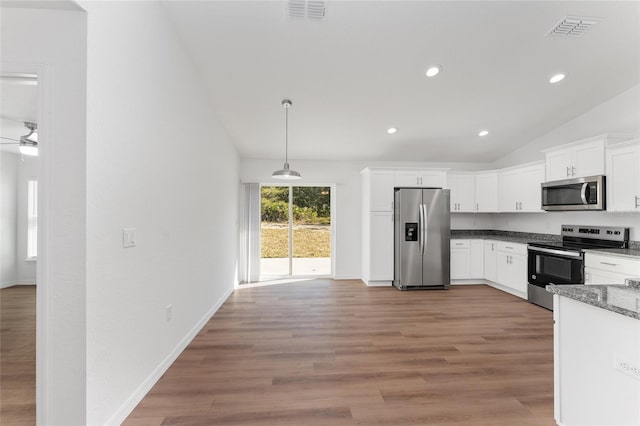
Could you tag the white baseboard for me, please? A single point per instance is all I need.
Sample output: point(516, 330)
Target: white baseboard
point(12, 283)
point(470, 282)
point(125, 409)
point(346, 277)
point(378, 283)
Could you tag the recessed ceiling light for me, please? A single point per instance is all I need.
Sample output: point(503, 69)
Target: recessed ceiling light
point(556, 78)
point(433, 71)
point(392, 130)
point(483, 133)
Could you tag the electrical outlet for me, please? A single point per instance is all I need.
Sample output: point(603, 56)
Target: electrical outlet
point(128, 237)
point(627, 367)
point(169, 312)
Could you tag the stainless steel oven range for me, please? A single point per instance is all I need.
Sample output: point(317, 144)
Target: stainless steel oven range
point(563, 262)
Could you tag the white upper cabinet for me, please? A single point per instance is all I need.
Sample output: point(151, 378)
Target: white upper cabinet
point(579, 159)
point(487, 192)
point(519, 189)
point(463, 192)
point(420, 178)
point(530, 190)
point(623, 177)
point(377, 190)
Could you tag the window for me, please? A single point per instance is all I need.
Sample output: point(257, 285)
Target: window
point(32, 219)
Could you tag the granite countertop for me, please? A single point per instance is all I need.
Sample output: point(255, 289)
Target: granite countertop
point(622, 299)
point(508, 236)
point(629, 252)
point(530, 237)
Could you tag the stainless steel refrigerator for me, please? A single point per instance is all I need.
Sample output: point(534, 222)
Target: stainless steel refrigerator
point(422, 234)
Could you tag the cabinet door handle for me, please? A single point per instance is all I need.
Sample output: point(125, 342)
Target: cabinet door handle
point(608, 264)
point(478, 206)
point(459, 244)
point(516, 205)
point(392, 205)
point(573, 171)
point(637, 201)
point(491, 246)
point(507, 247)
point(568, 171)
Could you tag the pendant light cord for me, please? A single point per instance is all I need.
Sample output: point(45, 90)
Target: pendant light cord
point(286, 134)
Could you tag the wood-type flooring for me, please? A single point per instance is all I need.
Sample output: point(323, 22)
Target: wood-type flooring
point(326, 352)
point(18, 355)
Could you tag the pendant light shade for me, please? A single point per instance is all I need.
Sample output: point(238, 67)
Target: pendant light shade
point(286, 173)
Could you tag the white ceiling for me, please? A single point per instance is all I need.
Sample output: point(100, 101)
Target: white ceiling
point(18, 103)
point(362, 71)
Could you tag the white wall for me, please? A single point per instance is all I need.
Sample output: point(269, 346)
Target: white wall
point(53, 44)
point(8, 219)
point(347, 209)
point(157, 161)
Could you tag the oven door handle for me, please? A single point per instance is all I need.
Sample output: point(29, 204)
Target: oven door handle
point(557, 252)
point(583, 193)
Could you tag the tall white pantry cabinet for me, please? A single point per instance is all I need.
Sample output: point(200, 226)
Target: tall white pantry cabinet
point(377, 227)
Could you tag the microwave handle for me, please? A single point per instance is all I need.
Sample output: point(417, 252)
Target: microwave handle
point(583, 193)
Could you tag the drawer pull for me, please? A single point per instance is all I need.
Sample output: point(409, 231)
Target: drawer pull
point(608, 263)
point(459, 244)
point(507, 247)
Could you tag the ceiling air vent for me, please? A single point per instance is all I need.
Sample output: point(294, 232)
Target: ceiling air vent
point(572, 26)
point(306, 10)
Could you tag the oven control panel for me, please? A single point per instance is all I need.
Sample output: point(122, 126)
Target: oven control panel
point(613, 233)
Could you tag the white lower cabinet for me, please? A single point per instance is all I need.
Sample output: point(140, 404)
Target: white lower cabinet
point(460, 259)
point(512, 267)
point(607, 269)
point(467, 259)
point(490, 260)
point(476, 259)
point(495, 261)
point(595, 276)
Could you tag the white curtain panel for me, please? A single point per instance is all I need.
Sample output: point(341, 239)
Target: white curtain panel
point(249, 256)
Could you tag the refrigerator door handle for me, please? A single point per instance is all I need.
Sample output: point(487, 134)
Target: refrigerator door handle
point(424, 227)
point(421, 226)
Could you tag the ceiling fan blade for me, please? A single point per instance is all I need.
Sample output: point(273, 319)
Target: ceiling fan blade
point(17, 141)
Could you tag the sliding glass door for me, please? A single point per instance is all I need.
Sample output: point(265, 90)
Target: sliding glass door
point(295, 231)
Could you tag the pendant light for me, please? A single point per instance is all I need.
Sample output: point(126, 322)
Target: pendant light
point(29, 143)
point(286, 173)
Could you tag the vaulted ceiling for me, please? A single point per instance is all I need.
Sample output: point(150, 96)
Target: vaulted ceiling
point(362, 70)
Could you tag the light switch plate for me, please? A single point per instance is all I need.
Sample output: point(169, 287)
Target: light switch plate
point(128, 237)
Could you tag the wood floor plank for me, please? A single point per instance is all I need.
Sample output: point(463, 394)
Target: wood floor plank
point(340, 353)
point(18, 355)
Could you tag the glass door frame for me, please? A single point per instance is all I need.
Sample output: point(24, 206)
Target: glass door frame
point(332, 238)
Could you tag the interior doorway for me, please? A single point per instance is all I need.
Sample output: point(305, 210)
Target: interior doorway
point(19, 200)
point(295, 231)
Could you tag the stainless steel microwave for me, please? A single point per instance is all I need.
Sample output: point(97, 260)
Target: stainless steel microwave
point(587, 193)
